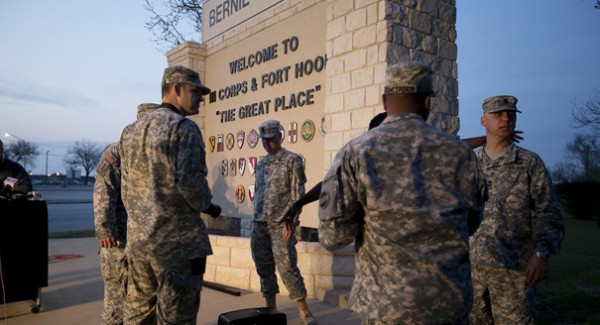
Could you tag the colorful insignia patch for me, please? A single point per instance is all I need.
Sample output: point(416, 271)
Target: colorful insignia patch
point(251, 192)
point(242, 166)
point(240, 193)
point(212, 141)
point(252, 165)
point(308, 130)
point(232, 167)
point(241, 136)
point(219, 142)
point(252, 138)
point(224, 167)
point(293, 132)
point(229, 141)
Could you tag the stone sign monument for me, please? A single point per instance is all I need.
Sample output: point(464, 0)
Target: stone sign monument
point(317, 66)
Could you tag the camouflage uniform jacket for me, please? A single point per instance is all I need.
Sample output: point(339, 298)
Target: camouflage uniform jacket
point(110, 217)
point(164, 186)
point(279, 182)
point(410, 194)
point(522, 215)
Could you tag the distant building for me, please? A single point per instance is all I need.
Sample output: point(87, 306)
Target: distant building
point(73, 173)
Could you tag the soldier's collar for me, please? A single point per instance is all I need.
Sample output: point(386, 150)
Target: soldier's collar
point(170, 106)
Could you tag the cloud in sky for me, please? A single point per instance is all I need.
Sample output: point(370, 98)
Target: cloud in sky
point(26, 94)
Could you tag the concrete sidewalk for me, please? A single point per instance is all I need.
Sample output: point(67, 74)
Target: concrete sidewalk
point(74, 294)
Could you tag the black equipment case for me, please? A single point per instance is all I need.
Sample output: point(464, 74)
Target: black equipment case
point(253, 316)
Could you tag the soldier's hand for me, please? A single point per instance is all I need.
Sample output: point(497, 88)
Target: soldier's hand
point(213, 210)
point(290, 228)
point(536, 269)
point(291, 214)
point(108, 242)
point(516, 136)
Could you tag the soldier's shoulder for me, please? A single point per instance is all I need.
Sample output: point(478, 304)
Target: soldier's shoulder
point(528, 156)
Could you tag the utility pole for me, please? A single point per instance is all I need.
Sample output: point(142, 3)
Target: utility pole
point(47, 152)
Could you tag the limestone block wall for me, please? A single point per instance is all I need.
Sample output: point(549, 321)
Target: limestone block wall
point(364, 37)
point(324, 272)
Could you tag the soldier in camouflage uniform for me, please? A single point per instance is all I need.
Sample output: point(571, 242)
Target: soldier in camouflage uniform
point(408, 195)
point(110, 219)
point(279, 181)
point(522, 223)
point(164, 189)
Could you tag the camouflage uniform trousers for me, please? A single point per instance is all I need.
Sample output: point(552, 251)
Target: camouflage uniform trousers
point(501, 296)
point(113, 266)
point(269, 249)
point(163, 293)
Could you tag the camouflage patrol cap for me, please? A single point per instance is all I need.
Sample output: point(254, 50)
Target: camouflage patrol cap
point(145, 108)
point(180, 73)
point(500, 103)
point(408, 77)
point(269, 129)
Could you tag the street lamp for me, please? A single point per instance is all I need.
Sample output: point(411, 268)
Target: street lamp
point(14, 136)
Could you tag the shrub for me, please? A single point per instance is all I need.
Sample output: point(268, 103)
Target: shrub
point(580, 199)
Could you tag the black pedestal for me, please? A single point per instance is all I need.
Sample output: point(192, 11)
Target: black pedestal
point(24, 250)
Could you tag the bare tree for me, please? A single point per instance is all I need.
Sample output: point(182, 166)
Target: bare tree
point(22, 151)
point(565, 172)
point(588, 114)
point(85, 154)
point(582, 162)
point(169, 28)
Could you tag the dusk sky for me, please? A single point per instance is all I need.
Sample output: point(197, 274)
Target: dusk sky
point(74, 69)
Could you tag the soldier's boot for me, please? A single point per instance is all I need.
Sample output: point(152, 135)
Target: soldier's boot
point(271, 302)
point(305, 314)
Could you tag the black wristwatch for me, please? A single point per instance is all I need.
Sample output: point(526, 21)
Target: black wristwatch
point(542, 255)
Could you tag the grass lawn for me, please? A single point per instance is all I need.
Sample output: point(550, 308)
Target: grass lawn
point(71, 234)
point(571, 293)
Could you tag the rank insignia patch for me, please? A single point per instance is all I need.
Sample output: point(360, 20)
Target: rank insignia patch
point(241, 136)
point(308, 130)
point(242, 166)
point(219, 142)
point(224, 167)
point(240, 193)
point(212, 141)
point(229, 141)
point(252, 165)
point(293, 132)
point(251, 192)
point(252, 138)
point(232, 167)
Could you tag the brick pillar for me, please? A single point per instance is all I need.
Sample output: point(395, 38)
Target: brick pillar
point(193, 56)
point(363, 38)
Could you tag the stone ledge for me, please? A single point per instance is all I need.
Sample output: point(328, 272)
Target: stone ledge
point(322, 270)
point(337, 297)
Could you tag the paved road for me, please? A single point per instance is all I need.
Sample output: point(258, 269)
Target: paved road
point(70, 208)
point(70, 217)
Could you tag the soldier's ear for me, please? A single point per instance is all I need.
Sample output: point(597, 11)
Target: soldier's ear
point(384, 101)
